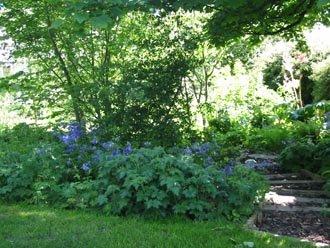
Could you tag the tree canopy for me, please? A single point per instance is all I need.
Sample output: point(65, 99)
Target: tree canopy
point(229, 19)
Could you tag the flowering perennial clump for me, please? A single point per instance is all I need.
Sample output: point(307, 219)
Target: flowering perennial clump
point(83, 148)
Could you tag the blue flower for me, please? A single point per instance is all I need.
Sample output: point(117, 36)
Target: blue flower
point(196, 148)
point(128, 149)
point(211, 160)
point(86, 165)
point(251, 163)
point(95, 157)
point(71, 148)
point(75, 130)
point(111, 156)
point(93, 141)
point(147, 144)
point(64, 138)
point(228, 170)
point(108, 145)
point(206, 147)
point(85, 148)
point(187, 151)
point(116, 152)
point(42, 151)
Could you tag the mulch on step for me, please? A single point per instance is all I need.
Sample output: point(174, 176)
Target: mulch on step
point(309, 226)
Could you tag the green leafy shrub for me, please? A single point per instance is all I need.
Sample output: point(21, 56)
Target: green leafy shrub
point(307, 129)
point(322, 156)
point(269, 138)
point(28, 176)
point(150, 181)
point(304, 153)
point(297, 154)
point(22, 138)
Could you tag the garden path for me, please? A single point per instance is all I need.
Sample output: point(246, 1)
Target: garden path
point(295, 206)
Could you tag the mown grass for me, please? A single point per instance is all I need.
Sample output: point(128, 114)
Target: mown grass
point(36, 227)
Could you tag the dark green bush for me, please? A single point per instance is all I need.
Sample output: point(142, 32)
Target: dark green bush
point(273, 74)
point(297, 154)
point(305, 154)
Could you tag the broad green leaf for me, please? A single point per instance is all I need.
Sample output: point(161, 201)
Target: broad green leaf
point(115, 11)
point(112, 189)
point(81, 17)
point(153, 204)
point(57, 23)
point(180, 208)
point(79, 6)
point(101, 22)
point(5, 189)
point(102, 199)
point(191, 192)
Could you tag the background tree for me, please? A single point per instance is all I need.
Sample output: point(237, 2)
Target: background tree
point(131, 87)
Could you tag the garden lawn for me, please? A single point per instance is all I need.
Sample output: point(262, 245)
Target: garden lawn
point(29, 226)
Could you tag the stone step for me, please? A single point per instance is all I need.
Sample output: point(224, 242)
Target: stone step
point(282, 176)
point(295, 208)
point(285, 182)
point(301, 192)
point(274, 198)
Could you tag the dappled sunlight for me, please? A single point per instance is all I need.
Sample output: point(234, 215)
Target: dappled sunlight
point(36, 214)
point(283, 200)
